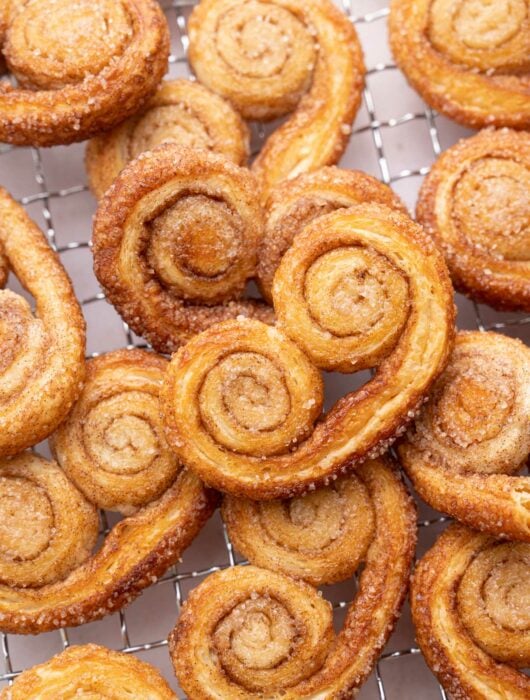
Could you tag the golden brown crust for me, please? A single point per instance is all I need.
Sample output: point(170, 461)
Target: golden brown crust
point(385, 299)
point(466, 569)
point(294, 203)
point(134, 554)
point(473, 435)
point(469, 60)
point(112, 444)
point(319, 537)
point(273, 56)
point(251, 617)
point(42, 363)
point(82, 67)
point(93, 671)
point(175, 240)
point(475, 202)
point(47, 528)
point(182, 112)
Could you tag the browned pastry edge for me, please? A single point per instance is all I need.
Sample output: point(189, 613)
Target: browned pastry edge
point(462, 667)
point(120, 570)
point(88, 669)
point(455, 465)
point(42, 353)
point(475, 271)
point(76, 112)
point(294, 203)
point(369, 622)
point(107, 154)
point(468, 96)
point(309, 60)
point(167, 323)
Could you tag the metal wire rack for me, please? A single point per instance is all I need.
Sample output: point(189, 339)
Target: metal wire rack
point(142, 628)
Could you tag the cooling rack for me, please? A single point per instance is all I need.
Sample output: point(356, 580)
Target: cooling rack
point(396, 138)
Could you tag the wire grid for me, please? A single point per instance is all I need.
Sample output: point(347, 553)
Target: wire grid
point(178, 11)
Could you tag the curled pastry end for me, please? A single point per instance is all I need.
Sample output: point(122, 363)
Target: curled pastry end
point(472, 437)
point(270, 58)
point(175, 240)
point(354, 290)
point(470, 607)
point(475, 203)
point(112, 444)
point(49, 577)
point(294, 203)
point(81, 67)
point(271, 634)
point(468, 59)
point(182, 112)
point(92, 671)
point(42, 364)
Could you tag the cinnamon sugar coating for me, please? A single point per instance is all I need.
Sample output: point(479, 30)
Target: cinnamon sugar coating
point(274, 56)
point(475, 203)
point(469, 599)
point(90, 671)
point(82, 586)
point(82, 67)
point(182, 112)
point(360, 287)
point(471, 438)
point(175, 240)
point(47, 528)
point(42, 365)
point(469, 59)
point(250, 632)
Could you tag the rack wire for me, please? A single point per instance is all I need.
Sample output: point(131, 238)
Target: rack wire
point(183, 576)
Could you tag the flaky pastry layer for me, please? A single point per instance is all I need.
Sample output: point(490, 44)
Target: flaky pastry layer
point(469, 600)
point(112, 444)
point(42, 365)
point(251, 632)
point(82, 67)
point(469, 60)
point(472, 437)
point(360, 287)
point(475, 202)
point(182, 112)
point(275, 56)
point(93, 671)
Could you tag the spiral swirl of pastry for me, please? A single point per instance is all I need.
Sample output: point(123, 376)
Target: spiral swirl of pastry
point(47, 528)
point(90, 671)
point(270, 57)
point(355, 290)
point(469, 59)
point(476, 204)
point(82, 67)
point(182, 112)
point(112, 445)
point(135, 552)
point(474, 434)
point(251, 632)
point(471, 606)
point(175, 240)
point(42, 363)
point(294, 203)
point(320, 537)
